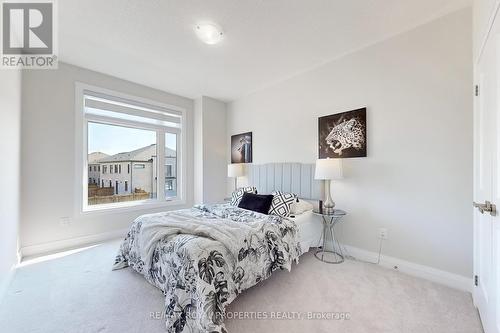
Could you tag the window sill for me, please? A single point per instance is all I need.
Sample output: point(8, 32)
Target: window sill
point(131, 206)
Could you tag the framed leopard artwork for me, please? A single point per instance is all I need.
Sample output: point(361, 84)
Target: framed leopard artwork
point(342, 135)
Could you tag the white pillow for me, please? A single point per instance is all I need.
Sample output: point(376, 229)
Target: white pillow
point(282, 203)
point(238, 194)
point(300, 207)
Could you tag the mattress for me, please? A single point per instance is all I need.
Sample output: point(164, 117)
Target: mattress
point(310, 230)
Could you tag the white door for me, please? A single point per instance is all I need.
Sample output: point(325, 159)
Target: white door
point(486, 183)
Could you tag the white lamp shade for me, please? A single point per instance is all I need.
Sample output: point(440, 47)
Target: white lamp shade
point(330, 168)
point(235, 170)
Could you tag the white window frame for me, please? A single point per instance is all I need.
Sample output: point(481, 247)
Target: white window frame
point(81, 141)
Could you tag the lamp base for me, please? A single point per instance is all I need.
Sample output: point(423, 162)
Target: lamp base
point(328, 205)
point(328, 210)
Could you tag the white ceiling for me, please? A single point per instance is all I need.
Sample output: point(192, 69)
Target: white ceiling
point(153, 43)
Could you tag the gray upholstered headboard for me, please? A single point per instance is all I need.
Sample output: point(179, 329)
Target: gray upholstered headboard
point(287, 177)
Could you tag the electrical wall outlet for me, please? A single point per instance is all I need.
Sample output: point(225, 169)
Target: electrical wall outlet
point(382, 233)
point(64, 221)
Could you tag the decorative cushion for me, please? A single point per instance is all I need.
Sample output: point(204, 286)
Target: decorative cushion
point(257, 202)
point(300, 207)
point(238, 194)
point(282, 203)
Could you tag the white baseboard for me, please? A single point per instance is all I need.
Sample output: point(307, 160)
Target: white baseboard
point(5, 282)
point(425, 272)
point(71, 243)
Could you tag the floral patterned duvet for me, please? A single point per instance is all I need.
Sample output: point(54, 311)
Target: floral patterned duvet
point(201, 271)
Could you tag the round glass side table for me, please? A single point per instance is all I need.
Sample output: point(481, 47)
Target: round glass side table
point(329, 222)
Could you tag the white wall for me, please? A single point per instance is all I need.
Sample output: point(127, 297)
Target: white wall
point(210, 150)
point(483, 9)
point(417, 178)
point(10, 146)
point(48, 145)
point(198, 150)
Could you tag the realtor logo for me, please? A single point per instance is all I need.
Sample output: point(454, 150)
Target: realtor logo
point(28, 34)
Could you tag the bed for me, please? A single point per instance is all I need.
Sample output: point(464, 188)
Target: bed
point(202, 258)
point(310, 230)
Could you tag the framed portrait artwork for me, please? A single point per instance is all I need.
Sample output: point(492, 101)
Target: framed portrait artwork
point(241, 148)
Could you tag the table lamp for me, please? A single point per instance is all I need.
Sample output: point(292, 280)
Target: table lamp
point(235, 170)
point(328, 169)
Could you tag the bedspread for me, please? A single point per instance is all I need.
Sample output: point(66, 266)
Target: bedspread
point(203, 257)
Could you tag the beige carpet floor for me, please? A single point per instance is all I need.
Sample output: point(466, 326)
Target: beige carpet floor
point(78, 292)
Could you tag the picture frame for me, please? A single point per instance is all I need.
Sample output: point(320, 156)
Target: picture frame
point(342, 135)
point(241, 148)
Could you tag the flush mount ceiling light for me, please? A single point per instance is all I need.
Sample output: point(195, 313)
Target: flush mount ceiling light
point(209, 33)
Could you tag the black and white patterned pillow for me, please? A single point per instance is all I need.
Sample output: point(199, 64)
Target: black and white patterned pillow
point(282, 203)
point(238, 194)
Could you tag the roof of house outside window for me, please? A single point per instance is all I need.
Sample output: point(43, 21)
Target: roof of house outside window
point(144, 154)
point(95, 157)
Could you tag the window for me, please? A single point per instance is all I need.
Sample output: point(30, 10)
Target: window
point(147, 137)
point(128, 143)
point(170, 166)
